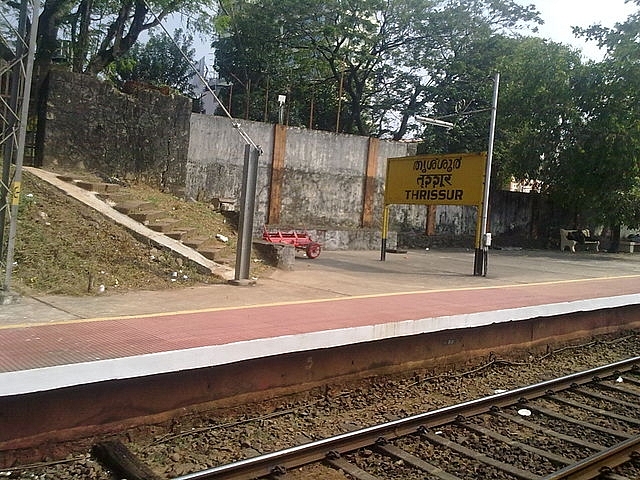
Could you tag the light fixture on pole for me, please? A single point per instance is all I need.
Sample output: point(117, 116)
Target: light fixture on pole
point(484, 242)
point(434, 121)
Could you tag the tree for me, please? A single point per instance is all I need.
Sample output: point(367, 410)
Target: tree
point(536, 108)
point(160, 62)
point(99, 32)
point(602, 162)
point(378, 56)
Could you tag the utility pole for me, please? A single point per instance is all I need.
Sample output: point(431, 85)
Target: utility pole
point(482, 250)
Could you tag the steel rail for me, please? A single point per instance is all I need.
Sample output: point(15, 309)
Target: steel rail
point(292, 457)
point(592, 467)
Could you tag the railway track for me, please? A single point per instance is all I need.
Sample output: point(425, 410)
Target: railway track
point(581, 426)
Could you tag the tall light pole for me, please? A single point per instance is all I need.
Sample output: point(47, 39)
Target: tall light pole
point(483, 238)
point(482, 250)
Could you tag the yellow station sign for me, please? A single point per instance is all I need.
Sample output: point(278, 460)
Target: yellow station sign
point(447, 179)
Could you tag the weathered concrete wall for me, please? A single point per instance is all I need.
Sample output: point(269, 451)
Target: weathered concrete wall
point(216, 159)
point(323, 189)
point(515, 219)
point(522, 219)
point(331, 184)
point(86, 123)
point(323, 178)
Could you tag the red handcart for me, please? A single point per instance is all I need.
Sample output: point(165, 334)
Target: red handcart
point(298, 238)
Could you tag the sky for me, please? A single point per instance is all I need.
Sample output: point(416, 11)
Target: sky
point(560, 15)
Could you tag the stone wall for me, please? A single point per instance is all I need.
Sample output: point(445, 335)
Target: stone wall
point(85, 123)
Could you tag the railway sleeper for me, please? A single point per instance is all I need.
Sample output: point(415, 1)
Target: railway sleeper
point(575, 421)
point(551, 433)
point(414, 461)
point(480, 457)
point(559, 459)
point(606, 398)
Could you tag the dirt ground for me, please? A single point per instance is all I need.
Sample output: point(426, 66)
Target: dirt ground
point(64, 247)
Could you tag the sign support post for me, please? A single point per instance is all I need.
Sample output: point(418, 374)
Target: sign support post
point(385, 233)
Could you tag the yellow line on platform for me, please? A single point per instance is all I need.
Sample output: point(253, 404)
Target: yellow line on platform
point(303, 302)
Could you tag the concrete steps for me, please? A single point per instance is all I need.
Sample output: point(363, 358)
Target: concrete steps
point(132, 206)
point(195, 242)
point(147, 214)
point(163, 225)
point(211, 252)
point(99, 187)
point(180, 234)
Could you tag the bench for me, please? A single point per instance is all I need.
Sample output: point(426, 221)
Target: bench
point(567, 240)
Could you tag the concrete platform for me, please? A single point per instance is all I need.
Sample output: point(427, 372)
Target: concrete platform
point(333, 306)
point(339, 298)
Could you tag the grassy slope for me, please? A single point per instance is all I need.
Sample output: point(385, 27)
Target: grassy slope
point(64, 247)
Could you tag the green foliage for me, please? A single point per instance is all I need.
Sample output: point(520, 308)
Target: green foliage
point(366, 63)
point(160, 62)
point(602, 160)
point(100, 32)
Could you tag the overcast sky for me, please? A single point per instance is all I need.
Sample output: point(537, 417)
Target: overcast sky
point(560, 15)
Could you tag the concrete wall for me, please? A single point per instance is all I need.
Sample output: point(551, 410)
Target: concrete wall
point(331, 184)
point(324, 188)
point(515, 220)
point(323, 178)
point(215, 161)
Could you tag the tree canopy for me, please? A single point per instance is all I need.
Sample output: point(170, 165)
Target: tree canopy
point(160, 61)
point(99, 32)
point(602, 158)
point(368, 64)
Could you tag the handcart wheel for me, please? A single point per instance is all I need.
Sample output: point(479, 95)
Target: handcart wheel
point(313, 250)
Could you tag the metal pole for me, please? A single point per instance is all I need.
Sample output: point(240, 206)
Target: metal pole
point(245, 223)
point(12, 118)
point(480, 264)
point(22, 135)
point(385, 233)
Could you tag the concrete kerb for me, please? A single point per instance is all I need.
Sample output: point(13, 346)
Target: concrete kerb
point(137, 229)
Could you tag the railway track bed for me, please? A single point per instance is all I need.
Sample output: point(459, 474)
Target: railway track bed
point(420, 425)
point(584, 425)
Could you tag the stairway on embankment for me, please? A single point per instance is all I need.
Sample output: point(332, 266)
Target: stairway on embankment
point(145, 219)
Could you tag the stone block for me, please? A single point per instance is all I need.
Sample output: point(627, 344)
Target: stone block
point(277, 255)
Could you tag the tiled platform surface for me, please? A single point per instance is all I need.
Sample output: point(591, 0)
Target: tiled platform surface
point(337, 299)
